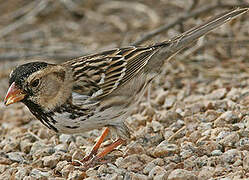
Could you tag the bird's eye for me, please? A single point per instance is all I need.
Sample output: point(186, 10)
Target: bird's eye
point(35, 83)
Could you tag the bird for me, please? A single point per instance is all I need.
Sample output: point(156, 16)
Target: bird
point(98, 90)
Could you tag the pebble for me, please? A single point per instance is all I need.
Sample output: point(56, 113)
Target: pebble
point(217, 94)
point(182, 174)
point(244, 143)
point(227, 117)
point(78, 155)
point(36, 173)
point(134, 148)
point(165, 149)
point(216, 152)
point(139, 120)
point(66, 138)
point(246, 160)
point(156, 126)
point(50, 161)
point(206, 173)
point(3, 168)
point(137, 176)
point(169, 101)
point(75, 175)
point(60, 165)
point(21, 173)
point(169, 117)
point(230, 140)
point(158, 173)
point(37, 146)
point(66, 170)
point(25, 146)
point(10, 145)
point(231, 155)
point(211, 115)
point(167, 134)
point(148, 167)
point(16, 156)
point(61, 147)
point(80, 141)
point(131, 162)
point(161, 97)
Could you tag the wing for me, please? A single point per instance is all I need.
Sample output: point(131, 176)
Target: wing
point(98, 75)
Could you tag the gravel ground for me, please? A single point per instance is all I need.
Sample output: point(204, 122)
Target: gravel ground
point(195, 125)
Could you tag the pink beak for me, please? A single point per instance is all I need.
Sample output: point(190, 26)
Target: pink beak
point(14, 95)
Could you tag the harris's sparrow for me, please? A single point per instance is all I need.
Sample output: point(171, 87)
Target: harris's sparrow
point(97, 90)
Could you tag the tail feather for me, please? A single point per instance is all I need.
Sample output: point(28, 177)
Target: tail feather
point(174, 45)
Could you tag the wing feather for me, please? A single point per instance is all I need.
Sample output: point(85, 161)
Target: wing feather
point(98, 75)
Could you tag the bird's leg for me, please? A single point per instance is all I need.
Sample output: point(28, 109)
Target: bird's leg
point(109, 148)
point(99, 156)
point(97, 145)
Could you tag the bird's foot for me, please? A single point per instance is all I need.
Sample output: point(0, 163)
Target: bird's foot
point(93, 158)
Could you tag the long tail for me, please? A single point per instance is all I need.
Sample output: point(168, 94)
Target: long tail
point(171, 47)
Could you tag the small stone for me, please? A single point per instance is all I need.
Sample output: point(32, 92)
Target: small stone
point(194, 108)
point(137, 176)
point(65, 138)
point(156, 126)
point(169, 117)
point(43, 133)
point(246, 161)
point(161, 97)
point(167, 134)
point(165, 149)
point(3, 168)
point(10, 145)
point(16, 156)
point(211, 115)
point(66, 170)
point(244, 143)
point(181, 174)
point(35, 173)
point(21, 173)
point(134, 148)
point(37, 146)
point(158, 173)
point(206, 173)
point(78, 155)
point(91, 172)
point(169, 101)
point(145, 158)
point(5, 175)
point(81, 141)
point(75, 175)
point(131, 162)
point(227, 117)
point(25, 146)
point(61, 147)
point(186, 154)
point(60, 165)
point(139, 120)
point(216, 152)
point(50, 161)
point(231, 155)
point(113, 176)
point(217, 94)
point(230, 140)
point(148, 167)
point(158, 161)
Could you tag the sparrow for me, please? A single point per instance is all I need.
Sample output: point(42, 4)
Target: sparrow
point(98, 90)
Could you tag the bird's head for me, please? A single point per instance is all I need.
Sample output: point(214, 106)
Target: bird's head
point(43, 84)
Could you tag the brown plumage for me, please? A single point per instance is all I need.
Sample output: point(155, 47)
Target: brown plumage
point(98, 90)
